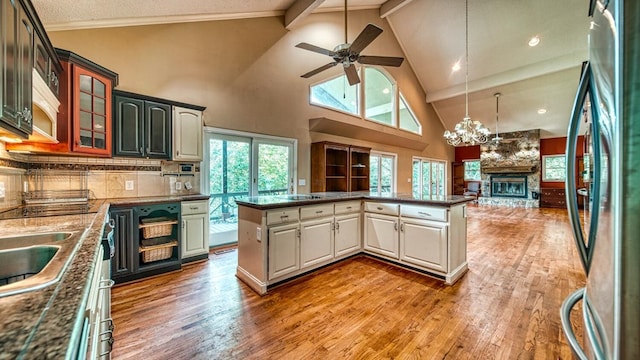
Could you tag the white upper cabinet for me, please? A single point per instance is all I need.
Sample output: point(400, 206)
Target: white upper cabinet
point(187, 134)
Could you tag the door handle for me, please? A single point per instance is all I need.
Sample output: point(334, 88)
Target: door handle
point(585, 251)
point(565, 314)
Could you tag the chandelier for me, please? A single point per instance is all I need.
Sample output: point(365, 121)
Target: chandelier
point(468, 131)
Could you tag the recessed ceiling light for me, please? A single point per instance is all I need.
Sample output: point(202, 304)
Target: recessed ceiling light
point(542, 111)
point(534, 41)
point(456, 66)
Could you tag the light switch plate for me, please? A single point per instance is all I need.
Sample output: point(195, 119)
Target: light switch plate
point(258, 233)
point(302, 182)
point(128, 185)
point(178, 185)
point(1, 190)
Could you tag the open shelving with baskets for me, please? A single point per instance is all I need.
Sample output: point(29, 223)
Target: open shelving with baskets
point(158, 244)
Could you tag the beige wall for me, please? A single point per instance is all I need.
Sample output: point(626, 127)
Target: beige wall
point(247, 74)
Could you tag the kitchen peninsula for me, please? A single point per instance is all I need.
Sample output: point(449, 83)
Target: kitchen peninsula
point(284, 236)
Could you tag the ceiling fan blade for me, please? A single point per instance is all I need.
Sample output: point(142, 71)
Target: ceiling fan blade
point(381, 60)
point(314, 48)
point(368, 34)
point(352, 74)
point(320, 69)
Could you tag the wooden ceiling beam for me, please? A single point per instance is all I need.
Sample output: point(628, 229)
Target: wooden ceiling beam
point(299, 10)
point(390, 6)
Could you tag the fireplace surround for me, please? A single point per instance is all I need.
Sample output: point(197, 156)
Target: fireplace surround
point(513, 186)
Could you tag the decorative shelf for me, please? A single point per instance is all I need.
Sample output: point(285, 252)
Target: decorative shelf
point(367, 130)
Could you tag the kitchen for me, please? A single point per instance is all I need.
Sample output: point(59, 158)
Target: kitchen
point(191, 63)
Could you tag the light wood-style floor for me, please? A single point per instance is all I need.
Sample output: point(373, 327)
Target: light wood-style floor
point(522, 264)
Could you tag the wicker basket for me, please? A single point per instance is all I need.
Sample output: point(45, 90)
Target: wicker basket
point(157, 252)
point(157, 227)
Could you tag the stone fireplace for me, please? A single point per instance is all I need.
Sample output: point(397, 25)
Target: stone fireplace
point(510, 170)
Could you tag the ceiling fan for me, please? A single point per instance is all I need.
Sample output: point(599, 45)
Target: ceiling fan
point(348, 54)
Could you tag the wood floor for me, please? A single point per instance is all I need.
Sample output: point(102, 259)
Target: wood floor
point(522, 264)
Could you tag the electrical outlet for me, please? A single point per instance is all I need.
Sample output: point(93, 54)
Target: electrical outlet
point(128, 185)
point(258, 234)
point(302, 182)
point(178, 185)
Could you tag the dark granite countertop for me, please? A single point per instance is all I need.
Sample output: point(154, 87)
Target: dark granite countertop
point(267, 202)
point(39, 324)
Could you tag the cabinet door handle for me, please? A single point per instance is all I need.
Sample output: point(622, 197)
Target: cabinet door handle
point(106, 284)
point(284, 217)
point(349, 207)
point(338, 226)
point(402, 227)
point(141, 151)
point(319, 212)
point(380, 208)
point(424, 213)
point(395, 226)
point(183, 224)
point(193, 207)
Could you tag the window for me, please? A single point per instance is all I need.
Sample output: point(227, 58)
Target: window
point(408, 120)
point(472, 170)
point(553, 168)
point(336, 94)
point(378, 96)
point(429, 177)
point(382, 101)
point(382, 176)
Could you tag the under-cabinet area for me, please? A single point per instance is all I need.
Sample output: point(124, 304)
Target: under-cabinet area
point(277, 244)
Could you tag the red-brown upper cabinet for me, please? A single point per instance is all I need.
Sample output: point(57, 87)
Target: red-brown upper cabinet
point(84, 119)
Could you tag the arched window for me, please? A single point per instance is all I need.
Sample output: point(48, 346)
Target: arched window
point(381, 102)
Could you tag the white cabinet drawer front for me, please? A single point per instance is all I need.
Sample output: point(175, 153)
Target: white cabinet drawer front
point(282, 216)
point(381, 208)
point(310, 212)
point(424, 212)
point(195, 207)
point(347, 207)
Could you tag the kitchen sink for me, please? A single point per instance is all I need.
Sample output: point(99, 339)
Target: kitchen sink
point(34, 261)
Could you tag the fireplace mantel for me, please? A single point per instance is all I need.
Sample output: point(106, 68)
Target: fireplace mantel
point(508, 169)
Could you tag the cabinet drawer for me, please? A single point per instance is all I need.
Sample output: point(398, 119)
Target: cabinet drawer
point(310, 212)
point(424, 212)
point(194, 207)
point(282, 216)
point(381, 208)
point(347, 207)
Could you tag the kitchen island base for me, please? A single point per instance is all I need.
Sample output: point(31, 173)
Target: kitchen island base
point(280, 241)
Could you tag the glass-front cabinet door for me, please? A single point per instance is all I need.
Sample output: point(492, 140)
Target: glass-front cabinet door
point(92, 109)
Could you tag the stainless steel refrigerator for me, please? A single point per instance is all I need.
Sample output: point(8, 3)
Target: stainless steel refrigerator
point(607, 111)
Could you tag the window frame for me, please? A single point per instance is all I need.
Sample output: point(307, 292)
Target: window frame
point(361, 100)
point(464, 164)
point(445, 176)
point(544, 168)
point(394, 166)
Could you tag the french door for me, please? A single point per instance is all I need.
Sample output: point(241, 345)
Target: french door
point(238, 165)
point(429, 177)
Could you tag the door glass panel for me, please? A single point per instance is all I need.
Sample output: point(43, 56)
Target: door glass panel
point(85, 83)
point(85, 102)
point(426, 178)
point(86, 138)
point(98, 106)
point(374, 174)
point(386, 174)
point(273, 169)
point(98, 88)
point(99, 123)
point(100, 142)
point(85, 120)
point(229, 174)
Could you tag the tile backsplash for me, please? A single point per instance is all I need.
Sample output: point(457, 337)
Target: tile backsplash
point(107, 178)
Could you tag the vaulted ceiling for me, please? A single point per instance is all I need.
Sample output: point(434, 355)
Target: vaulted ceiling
point(432, 36)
